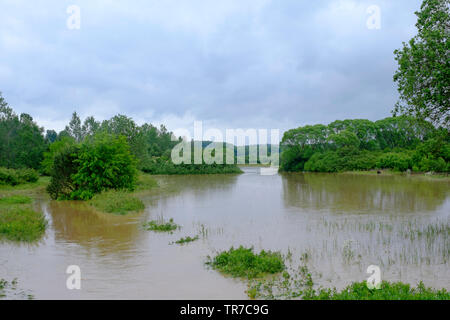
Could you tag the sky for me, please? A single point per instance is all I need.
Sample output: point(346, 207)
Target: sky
point(272, 64)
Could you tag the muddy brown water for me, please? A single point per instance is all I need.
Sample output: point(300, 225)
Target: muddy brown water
point(343, 222)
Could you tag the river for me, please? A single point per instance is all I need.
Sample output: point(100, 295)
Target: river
point(344, 222)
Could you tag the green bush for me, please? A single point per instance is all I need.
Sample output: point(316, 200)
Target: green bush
point(243, 262)
point(101, 163)
point(395, 161)
point(14, 177)
point(64, 167)
point(104, 162)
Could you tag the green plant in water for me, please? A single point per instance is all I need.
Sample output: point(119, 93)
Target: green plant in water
point(161, 226)
point(118, 202)
point(243, 262)
point(186, 240)
point(22, 224)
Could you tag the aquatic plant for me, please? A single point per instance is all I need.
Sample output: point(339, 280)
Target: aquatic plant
point(243, 262)
point(21, 224)
point(161, 226)
point(187, 240)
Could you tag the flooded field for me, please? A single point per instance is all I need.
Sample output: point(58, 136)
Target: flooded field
point(344, 222)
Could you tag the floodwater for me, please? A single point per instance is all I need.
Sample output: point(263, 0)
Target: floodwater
point(344, 222)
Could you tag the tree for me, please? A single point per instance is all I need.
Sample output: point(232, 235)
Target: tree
point(21, 140)
point(74, 128)
point(423, 75)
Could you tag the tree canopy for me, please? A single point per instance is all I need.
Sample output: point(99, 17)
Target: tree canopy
point(423, 75)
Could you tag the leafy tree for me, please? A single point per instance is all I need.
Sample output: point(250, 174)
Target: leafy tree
point(51, 136)
point(21, 139)
point(423, 75)
point(104, 162)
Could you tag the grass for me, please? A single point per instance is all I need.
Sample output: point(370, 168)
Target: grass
point(15, 200)
point(117, 202)
point(18, 223)
point(243, 262)
point(388, 291)
point(161, 226)
point(298, 284)
point(186, 240)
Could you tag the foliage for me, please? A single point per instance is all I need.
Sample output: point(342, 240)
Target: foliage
point(163, 165)
point(118, 202)
point(396, 161)
point(423, 74)
point(104, 162)
point(14, 177)
point(64, 166)
point(54, 149)
point(243, 262)
point(21, 140)
point(398, 143)
point(161, 225)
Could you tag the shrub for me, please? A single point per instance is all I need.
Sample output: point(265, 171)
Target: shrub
point(64, 167)
point(243, 262)
point(119, 202)
point(104, 162)
point(101, 163)
point(14, 177)
point(395, 161)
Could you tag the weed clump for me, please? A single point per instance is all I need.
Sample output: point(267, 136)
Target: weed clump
point(243, 262)
point(161, 226)
point(186, 240)
point(117, 202)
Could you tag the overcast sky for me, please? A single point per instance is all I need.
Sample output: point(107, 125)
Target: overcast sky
point(229, 63)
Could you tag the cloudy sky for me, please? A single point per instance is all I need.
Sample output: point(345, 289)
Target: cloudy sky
point(229, 63)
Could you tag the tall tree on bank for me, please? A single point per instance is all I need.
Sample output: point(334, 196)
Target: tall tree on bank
point(423, 75)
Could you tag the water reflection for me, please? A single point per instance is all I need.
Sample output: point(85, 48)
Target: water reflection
point(363, 194)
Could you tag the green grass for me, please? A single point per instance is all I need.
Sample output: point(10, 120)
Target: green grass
point(388, 291)
point(186, 240)
point(243, 262)
point(117, 202)
point(161, 226)
point(19, 223)
point(15, 200)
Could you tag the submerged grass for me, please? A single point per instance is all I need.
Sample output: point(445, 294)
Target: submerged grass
point(388, 291)
point(117, 202)
point(18, 223)
point(243, 262)
point(298, 284)
point(187, 240)
point(161, 226)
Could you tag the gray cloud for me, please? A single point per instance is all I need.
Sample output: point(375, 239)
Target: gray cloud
point(258, 63)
